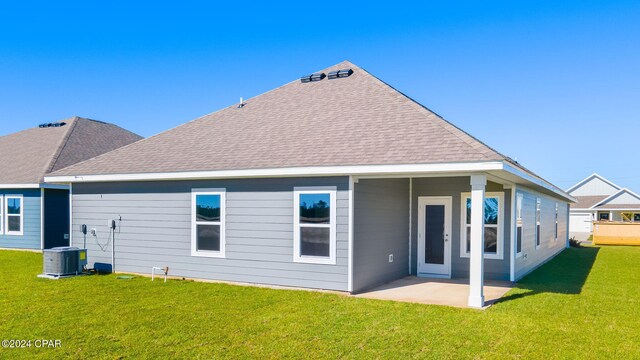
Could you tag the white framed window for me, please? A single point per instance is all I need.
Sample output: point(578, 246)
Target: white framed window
point(208, 222)
point(519, 223)
point(493, 225)
point(314, 225)
point(537, 237)
point(636, 217)
point(14, 215)
point(555, 231)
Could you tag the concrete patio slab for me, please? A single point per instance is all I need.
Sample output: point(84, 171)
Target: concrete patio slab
point(435, 291)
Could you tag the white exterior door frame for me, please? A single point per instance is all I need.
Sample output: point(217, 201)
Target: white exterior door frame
point(439, 268)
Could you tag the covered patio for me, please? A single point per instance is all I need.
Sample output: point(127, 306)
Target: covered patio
point(449, 292)
point(448, 233)
point(461, 238)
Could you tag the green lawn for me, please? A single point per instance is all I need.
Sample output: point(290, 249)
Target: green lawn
point(583, 304)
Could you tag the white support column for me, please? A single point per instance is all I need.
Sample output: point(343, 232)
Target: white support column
point(476, 256)
point(513, 233)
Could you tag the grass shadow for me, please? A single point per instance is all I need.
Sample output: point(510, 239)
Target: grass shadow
point(565, 274)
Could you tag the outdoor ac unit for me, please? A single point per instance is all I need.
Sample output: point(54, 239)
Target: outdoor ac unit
point(60, 261)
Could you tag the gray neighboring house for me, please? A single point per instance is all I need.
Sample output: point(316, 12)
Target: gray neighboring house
point(35, 215)
point(598, 199)
point(332, 181)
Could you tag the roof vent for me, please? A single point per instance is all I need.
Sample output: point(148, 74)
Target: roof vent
point(313, 77)
point(340, 73)
point(318, 76)
point(56, 124)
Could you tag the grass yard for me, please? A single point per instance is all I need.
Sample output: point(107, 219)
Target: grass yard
point(583, 304)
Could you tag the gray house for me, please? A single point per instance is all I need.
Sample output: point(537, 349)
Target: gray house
point(35, 215)
point(332, 181)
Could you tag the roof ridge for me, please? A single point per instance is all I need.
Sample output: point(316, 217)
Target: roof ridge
point(91, 158)
point(423, 108)
point(593, 175)
point(61, 145)
point(446, 125)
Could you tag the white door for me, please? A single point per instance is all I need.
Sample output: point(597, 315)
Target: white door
point(434, 236)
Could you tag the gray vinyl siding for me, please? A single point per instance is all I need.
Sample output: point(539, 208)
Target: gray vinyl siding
point(533, 257)
point(381, 228)
point(454, 186)
point(31, 234)
point(155, 230)
point(56, 218)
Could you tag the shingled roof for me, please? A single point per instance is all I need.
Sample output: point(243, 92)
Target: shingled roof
point(585, 202)
point(357, 120)
point(30, 154)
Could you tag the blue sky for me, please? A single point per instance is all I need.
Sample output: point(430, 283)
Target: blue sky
point(554, 84)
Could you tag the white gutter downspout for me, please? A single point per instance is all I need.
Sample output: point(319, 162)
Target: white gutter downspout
point(42, 219)
point(71, 215)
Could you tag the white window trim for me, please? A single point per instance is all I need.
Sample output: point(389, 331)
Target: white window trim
point(331, 259)
point(1, 214)
point(6, 215)
point(499, 255)
point(538, 222)
point(222, 223)
point(556, 230)
point(519, 202)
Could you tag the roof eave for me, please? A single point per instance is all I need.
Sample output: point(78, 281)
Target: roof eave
point(350, 170)
point(283, 172)
point(537, 181)
point(34, 186)
point(585, 180)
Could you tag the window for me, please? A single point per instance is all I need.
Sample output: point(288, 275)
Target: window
point(636, 217)
point(493, 228)
point(314, 225)
point(537, 223)
point(555, 233)
point(13, 215)
point(519, 225)
point(603, 216)
point(208, 223)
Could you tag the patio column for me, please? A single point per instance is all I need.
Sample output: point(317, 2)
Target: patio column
point(476, 253)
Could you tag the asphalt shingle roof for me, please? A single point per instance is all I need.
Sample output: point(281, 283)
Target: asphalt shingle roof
point(30, 154)
point(358, 120)
point(585, 202)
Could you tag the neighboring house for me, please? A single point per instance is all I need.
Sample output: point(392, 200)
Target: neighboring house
point(337, 182)
point(35, 215)
point(598, 199)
